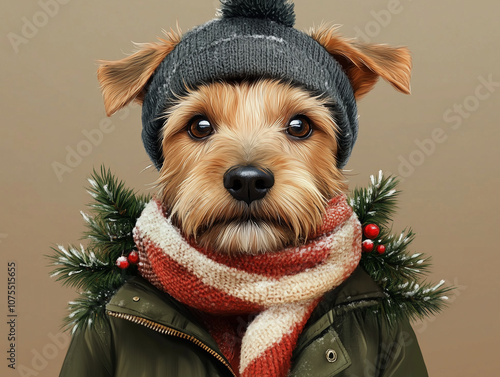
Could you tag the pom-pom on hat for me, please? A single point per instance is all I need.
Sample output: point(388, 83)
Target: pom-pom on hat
point(251, 39)
point(279, 11)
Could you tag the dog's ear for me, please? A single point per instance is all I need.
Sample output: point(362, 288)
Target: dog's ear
point(364, 63)
point(124, 80)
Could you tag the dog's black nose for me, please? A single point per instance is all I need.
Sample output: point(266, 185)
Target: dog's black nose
point(248, 183)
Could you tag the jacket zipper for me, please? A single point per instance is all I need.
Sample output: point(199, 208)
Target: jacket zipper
point(162, 329)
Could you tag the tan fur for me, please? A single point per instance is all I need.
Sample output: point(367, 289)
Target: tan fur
point(364, 63)
point(123, 81)
point(250, 119)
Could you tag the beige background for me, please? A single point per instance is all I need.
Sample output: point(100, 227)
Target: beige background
point(50, 96)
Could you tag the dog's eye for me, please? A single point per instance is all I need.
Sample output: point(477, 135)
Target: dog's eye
point(299, 127)
point(199, 128)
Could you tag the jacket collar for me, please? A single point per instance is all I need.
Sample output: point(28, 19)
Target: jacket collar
point(137, 297)
point(359, 290)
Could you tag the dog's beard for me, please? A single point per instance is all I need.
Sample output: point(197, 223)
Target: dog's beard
point(249, 237)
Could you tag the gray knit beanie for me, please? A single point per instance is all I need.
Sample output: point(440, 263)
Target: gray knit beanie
point(252, 39)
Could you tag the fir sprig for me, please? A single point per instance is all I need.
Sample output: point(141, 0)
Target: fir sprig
point(109, 231)
point(76, 266)
point(397, 271)
point(377, 202)
point(113, 201)
point(396, 264)
point(413, 300)
point(89, 308)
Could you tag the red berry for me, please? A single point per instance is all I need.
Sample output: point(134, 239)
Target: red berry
point(122, 262)
point(371, 231)
point(381, 249)
point(133, 257)
point(367, 246)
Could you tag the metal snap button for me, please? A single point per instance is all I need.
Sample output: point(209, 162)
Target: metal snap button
point(135, 298)
point(331, 356)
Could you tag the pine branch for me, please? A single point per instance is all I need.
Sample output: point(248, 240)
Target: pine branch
point(114, 215)
point(396, 264)
point(110, 239)
point(377, 202)
point(396, 271)
point(113, 201)
point(414, 301)
point(89, 308)
point(78, 267)
point(109, 230)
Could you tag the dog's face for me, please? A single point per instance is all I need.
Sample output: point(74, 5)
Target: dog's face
point(249, 166)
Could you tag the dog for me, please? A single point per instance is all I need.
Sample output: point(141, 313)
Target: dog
point(250, 123)
point(285, 138)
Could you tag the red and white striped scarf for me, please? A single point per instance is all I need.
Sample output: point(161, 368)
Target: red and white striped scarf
point(280, 288)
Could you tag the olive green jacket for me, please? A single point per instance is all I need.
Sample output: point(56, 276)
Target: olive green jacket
point(149, 334)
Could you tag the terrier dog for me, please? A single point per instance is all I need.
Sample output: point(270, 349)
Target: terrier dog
point(249, 165)
point(250, 123)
